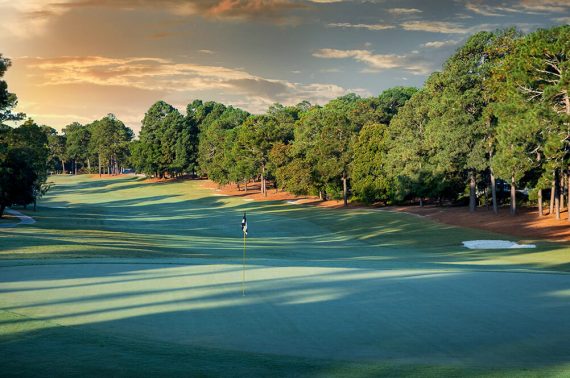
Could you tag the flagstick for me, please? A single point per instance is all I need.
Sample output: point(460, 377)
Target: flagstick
point(243, 272)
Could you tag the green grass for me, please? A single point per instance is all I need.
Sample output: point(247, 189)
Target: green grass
point(72, 351)
point(127, 218)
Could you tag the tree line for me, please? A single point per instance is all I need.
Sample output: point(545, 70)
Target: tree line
point(495, 118)
point(98, 147)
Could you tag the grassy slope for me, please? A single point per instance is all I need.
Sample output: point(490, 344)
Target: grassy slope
point(128, 218)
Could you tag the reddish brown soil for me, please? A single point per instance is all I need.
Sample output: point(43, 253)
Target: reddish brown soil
point(96, 176)
point(159, 180)
point(147, 180)
point(525, 224)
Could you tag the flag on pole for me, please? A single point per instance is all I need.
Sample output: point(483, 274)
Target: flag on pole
point(244, 224)
point(244, 230)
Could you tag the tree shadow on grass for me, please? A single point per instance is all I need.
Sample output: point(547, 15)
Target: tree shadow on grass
point(171, 226)
point(297, 321)
point(348, 292)
point(75, 186)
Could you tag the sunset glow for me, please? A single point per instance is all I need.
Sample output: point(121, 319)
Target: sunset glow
point(78, 60)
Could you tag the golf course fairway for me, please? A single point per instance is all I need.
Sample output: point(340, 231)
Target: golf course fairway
point(127, 278)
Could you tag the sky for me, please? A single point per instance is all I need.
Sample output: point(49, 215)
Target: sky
point(79, 60)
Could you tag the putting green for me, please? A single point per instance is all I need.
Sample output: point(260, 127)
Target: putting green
point(328, 292)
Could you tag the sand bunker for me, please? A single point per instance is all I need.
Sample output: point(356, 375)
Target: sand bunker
point(495, 244)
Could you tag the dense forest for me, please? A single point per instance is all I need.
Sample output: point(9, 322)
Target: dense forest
point(493, 123)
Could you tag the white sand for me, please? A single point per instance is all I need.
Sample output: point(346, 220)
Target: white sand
point(495, 244)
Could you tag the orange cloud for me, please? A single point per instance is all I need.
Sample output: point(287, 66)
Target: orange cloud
point(165, 76)
point(35, 14)
point(274, 9)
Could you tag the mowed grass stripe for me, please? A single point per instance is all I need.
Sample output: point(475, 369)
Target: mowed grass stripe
point(126, 217)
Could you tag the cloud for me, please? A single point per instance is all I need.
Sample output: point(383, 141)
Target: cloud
point(207, 8)
point(482, 9)
point(443, 27)
point(25, 18)
point(30, 17)
point(362, 26)
point(435, 27)
point(425, 26)
point(440, 44)
point(404, 11)
point(378, 62)
point(495, 8)
point(548, 6)
point(275, 10)
point(166, 76)
point(562, 20)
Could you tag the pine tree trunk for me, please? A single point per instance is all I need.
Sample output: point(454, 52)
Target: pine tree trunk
point(99, 157)
point(551, 209)
point(494, 193)
point(75, 166)
point(513, 196)
point(557, 194)
point(562, 180)
point(567, 105)
point(63, 166)
point(344, 190)
point(321, 195)
point(263, 189)
point(540, 211)
point(88, 165)
point(472, 194)
point(2, 208)
point(421, 201)
point(568, 188)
